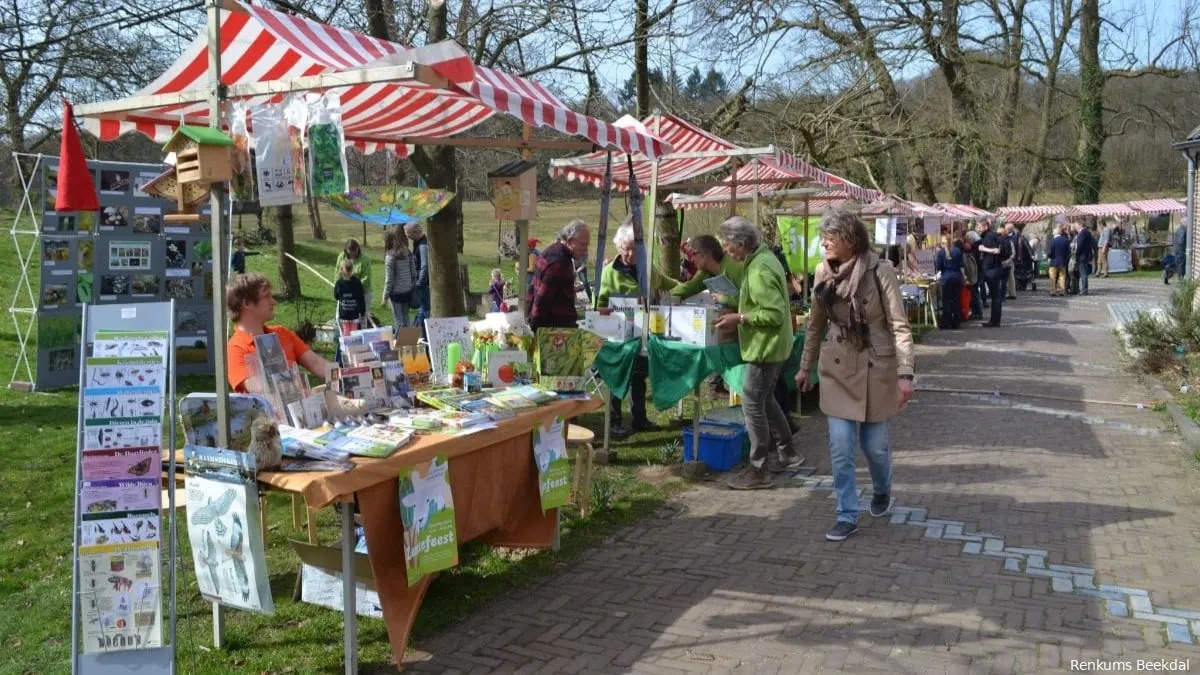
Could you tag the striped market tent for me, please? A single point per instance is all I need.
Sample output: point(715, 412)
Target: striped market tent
point(963, 211)
point(1157, 206)
point(1100, 211)
point(1029, 214)
point(261, 45)
point(681, 135)
point(785, 168)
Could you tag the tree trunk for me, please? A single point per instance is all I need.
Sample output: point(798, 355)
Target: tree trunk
point(641, 59)
point(1087, 175)
point(289, 276)
point(666, 225)
point(314, 218)
point(1012, 99)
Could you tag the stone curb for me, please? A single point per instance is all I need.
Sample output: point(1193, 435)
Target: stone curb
point(1187, 428)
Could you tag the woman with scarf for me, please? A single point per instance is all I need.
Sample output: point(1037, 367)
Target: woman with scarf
point(860, 330)
point(764, 327)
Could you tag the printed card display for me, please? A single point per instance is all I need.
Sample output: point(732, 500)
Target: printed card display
point(554, 471)
point(224, 530)
point(427, 510)
point(121, 597)
point(501, 371)
point(122, 464)
point(121, 344)
point(109, 497)
point(129, 255)
point(112, 434)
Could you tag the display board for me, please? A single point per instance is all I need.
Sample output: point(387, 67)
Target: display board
point(124, 253)
point(121, 602)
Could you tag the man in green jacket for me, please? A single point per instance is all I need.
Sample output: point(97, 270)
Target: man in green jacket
point(764, 325)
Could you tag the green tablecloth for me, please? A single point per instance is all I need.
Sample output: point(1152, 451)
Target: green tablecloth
point(676, 369)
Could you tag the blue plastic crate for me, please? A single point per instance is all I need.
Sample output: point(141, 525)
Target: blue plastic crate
point(722, 446)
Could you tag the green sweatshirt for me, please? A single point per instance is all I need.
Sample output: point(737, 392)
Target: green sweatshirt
point(766, 334)
point(619, 281)
point(731, 268)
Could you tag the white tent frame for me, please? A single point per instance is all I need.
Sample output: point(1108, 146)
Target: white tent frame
point(24, 311)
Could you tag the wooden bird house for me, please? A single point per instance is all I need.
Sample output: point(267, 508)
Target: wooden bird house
point(202, 155)
point(514, 190)
point(188, 196)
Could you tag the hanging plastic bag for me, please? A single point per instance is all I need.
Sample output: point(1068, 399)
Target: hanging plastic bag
point(295, 110)
point(273, 154)
point(326, 144)
point(243, 173)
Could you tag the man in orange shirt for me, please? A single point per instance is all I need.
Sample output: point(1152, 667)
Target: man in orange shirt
point(251, 305)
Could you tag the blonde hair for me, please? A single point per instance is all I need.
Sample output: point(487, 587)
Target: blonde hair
point(497, 273)
point(347, 270)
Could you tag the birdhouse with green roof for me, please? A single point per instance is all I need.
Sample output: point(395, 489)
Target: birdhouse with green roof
point(202, 155)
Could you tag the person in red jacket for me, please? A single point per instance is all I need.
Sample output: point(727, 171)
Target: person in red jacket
point(551, 295)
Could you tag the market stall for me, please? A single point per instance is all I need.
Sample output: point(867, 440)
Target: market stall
point(371, 95)
point(1157, 221)
point(1121, 252)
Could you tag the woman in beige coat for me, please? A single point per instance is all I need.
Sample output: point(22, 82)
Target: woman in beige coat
point(866, 362)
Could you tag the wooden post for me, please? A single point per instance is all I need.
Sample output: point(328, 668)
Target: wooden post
point(804, 278)
point(733, 186)
point(220, 259)
point(757, 189)
point(523, 235)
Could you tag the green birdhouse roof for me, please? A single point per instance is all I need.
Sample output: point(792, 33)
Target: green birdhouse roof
point(201, 135)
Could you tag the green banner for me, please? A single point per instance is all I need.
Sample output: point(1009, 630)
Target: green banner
point(791, 237)
point(554, 471)
point(427, 510)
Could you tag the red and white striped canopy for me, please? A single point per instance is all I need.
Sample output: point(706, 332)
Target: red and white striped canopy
point(1100, 211)
point(1029, 214)
point(784, 168)
point(681, 135)
point(891, 205)
point(260, 45)
point(1154, 206)
point(962, 211)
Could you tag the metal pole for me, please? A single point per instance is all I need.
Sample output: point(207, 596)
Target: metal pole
point(523, 237)
point(757, 189)
point(349, 603)
point(79, 444)
point(173, 552)
point(220, 259)
point(1189, 260)
point(804, 277)
point(602, 229)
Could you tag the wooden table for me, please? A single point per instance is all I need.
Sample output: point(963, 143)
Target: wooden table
point(496, 500)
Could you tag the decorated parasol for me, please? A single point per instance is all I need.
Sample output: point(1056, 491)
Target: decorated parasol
point(386, 205)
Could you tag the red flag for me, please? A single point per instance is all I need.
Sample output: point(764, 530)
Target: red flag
point(76, 186)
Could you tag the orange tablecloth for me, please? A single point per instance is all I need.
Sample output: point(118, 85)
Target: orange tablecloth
point(496, 500)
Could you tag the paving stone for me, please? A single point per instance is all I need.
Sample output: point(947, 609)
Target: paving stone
point(1124, 589)
point(1109, 595)
point(934, 531)
point(1149, 616)
point(993, 544)
point(1062, 584)
point(1179, 633)
point(1074, 570)
point(964, 537)
point(953, 530)
point(1118, 608)
point(1036, 572)
point(898, 518)
point(1181, 613)
point(1140, 603)
point(1012, 565)
point(1028, 551)
point(1083, 580)
point(972, 547)
point(1037, 561)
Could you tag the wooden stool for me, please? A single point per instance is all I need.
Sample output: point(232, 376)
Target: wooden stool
point(582, 438)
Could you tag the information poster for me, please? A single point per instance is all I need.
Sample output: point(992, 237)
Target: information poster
point(119, 520)
point(427, 510)
point(223, 527)
point(118, 254)
point(792, 238)
point(554, 471)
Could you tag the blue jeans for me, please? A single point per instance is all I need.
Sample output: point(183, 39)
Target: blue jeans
point(421, 299)
point(844, 439)
point(1085, 268)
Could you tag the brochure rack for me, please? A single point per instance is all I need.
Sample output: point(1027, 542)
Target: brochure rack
point(126, 390)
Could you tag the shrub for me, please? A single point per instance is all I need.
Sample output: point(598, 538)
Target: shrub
point(1154, 339)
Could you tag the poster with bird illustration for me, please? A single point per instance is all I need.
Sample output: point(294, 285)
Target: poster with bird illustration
point(427, 511)
point(223, 527)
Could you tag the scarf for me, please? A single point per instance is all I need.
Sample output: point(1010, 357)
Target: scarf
point(842, 284)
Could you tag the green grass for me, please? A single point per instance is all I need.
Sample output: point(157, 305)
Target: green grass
point(37, 431)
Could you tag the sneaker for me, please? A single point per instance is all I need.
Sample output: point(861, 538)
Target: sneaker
point(618, 432)
point(776, 464)
point(840, 531)
point(751, 478)
point(881, 505)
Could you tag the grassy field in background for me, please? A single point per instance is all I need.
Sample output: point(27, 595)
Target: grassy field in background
point(37, 432)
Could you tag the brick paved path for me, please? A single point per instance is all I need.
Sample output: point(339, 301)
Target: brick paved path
point(738, 582)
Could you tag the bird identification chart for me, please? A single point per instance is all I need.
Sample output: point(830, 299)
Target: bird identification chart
point(119, 520)
point(223, 526)
point(427, 510)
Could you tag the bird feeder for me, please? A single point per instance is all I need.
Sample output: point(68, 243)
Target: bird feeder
point(514, 190)
point(202, 155)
